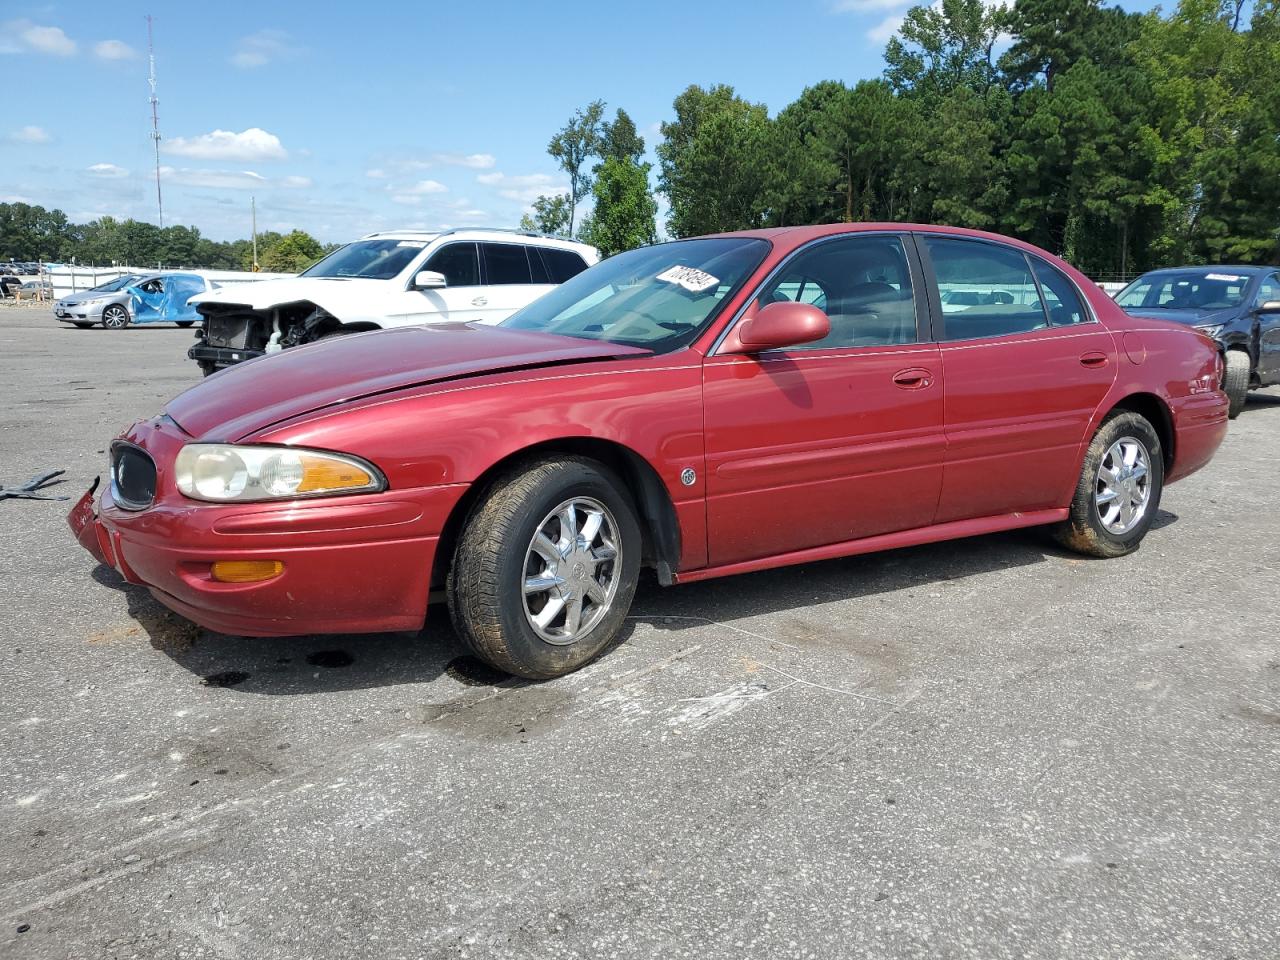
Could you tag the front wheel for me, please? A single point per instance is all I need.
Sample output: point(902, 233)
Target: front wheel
point(1235, 381)
point(115, 317)
point(545, 568)
point(1118, 493)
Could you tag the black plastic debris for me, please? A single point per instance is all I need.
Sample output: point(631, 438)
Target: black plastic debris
point(29, 490)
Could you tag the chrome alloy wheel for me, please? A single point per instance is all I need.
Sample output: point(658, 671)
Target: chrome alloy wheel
point(1122, 489)
point(115, 317)
point(571, 570)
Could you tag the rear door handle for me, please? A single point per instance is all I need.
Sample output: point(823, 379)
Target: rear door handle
point(1093, 359)
point(913, 378)
point(479, 301)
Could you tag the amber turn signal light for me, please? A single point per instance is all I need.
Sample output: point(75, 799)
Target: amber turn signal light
point(245, 571)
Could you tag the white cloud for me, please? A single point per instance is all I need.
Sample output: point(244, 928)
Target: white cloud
point(376, 174)
point(30, 134)
point(412, 196)
point(886, 28)
point(24, 36)
point(248, 146)
point(259, 49)
point(108, 171)
point(114, 50)
point(229, 179)
point(473, 161)
point(523, 188)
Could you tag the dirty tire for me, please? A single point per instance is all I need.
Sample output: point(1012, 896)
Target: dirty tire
point(1235, 381)
point(115, 317)
point(1083, 530)
point(208, 368)
point(486, 580)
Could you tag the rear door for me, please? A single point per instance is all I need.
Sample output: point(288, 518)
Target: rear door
point(514, 275)
point(1268, 330)
point(1025, 369)
point(834, 440)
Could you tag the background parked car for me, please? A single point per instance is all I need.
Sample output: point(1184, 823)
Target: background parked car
point(149, 298)
point(387, 280)
point(1237, 306)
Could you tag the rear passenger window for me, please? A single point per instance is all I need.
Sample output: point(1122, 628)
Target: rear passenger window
point(863, 284)
point(1060, 295)
point(459, 264)
point(505, 263)
point(537, 266)
point(986, 290)
point(562, 264)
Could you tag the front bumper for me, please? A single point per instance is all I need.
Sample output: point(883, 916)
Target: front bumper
point(80, 313)
point(221, 356)
point(357, 564)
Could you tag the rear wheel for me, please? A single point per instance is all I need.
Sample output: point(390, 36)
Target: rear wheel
point(115, 317)
point(1235, 381)
point(1118, 493)
point(545, 568)
point(184, 323)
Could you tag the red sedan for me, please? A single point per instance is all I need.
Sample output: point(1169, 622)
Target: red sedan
point(703, 407)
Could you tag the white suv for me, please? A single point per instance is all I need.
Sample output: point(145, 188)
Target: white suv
point(385, 280)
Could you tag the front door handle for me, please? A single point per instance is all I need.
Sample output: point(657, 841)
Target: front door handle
point(1093, 360)
point(913, 378)
point(480, 301)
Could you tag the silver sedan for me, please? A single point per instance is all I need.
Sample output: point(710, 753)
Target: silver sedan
point(107, 304)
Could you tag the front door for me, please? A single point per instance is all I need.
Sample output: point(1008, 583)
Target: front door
point(1026, 368)
point(834, 440)
point(1268, 330)
point(459, 263)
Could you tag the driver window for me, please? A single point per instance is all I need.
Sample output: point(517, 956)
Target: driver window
point(459, 263)
point(863, 284)
point(1268, 290)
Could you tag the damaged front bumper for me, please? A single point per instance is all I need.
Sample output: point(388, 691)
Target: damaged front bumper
point(204, 354)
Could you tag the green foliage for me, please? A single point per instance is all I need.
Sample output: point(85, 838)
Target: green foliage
point(291, 253)
point(551, 215)
point(1121, 141)
point(623, 218)
point(577, 142)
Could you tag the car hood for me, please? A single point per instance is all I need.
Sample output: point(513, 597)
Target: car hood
point(331, 293)
point(252, 396)
point(1189, 318)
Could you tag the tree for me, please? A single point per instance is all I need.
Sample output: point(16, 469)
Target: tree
point(551, 215)
point(619, 139)
point(942, 47)
point(713, 162)
point(292, 253)
point(578, 141)
point(623, 218)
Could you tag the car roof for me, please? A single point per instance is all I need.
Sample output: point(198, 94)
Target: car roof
point(482, 233)
point(1240, 268)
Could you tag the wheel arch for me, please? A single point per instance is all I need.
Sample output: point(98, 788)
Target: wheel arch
point(1157, 413)
point(655, 511)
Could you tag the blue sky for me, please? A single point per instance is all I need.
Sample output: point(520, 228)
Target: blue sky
point(343, 120)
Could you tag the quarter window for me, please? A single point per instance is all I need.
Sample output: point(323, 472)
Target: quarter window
point(459, 264)
point(1268, 290)
point(506, 263)
point(562, 264)
point(986, 290)
point(1060, 295)
point(863, 284)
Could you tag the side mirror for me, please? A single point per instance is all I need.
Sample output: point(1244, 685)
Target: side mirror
point(428, 280)
point(1269, 306)
point(778, 325)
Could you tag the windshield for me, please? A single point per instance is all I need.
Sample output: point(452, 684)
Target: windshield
point(658, 297)
point(371, 259)
point(1201, 290)
point(112, 285)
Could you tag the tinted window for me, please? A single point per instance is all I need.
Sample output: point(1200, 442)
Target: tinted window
point(659, 297)
point(862, 283)
point(562, 264)
point(986, 290)
point(505, 263)
point(1060, 295)
point(538, 266)
point(458, 262)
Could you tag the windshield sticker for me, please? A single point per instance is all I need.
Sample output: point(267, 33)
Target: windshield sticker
point(1222, 276)
point(692, 279)
point(416, 244)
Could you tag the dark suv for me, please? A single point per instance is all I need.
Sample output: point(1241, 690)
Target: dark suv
point(1237, 306)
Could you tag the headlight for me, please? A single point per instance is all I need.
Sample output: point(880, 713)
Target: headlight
point(1211, 329)
point(223, 473)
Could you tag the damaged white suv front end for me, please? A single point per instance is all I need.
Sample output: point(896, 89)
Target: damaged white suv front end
point(385, 280)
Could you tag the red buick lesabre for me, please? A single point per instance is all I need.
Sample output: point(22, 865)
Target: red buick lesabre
point(704, 407)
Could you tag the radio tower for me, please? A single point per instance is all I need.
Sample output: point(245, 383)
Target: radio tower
point(155, 117)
